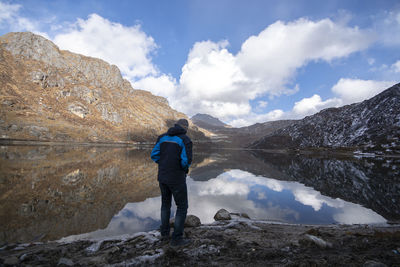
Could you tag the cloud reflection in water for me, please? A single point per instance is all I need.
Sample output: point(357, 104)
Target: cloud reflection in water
point(240, 191)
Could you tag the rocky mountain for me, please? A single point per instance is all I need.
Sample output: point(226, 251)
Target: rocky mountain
point(51, 94)
point(207, 121)
point(373, 124)
point(228, 136)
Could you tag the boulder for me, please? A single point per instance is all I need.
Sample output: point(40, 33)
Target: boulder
point(222, 214)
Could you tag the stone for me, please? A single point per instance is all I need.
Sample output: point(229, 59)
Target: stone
point(65, 261)
point(372, 263)
point(192, 221)
point(222, 214)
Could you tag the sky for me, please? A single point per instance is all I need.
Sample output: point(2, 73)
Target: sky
point(242, 61)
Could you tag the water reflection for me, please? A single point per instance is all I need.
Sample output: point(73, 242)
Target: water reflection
point(100, 192)
point(240, 191)
point(55, 192)
point(271, 199)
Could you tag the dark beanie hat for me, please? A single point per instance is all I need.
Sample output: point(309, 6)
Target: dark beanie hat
point(183, 122)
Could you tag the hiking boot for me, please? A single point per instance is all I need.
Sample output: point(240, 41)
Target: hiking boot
point(182, 242)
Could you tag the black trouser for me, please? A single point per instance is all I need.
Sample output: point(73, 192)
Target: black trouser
point(179, 192)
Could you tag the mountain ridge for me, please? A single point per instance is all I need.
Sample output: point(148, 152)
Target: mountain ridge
point(372, 124)
point(56, 95)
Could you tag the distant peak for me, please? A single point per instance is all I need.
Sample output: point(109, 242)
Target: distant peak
point(208, 119)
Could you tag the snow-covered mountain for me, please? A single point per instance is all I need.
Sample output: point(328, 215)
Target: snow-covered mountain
point(373, 124)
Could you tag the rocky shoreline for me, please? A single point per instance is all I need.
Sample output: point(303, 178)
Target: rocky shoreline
point(232, 240)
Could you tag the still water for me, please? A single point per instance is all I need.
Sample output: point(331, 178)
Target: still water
point(48, 193)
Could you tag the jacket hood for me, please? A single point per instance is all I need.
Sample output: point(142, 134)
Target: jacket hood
point(176, 130)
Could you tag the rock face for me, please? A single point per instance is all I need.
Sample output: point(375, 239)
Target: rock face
point(71, 97)
point(373, 124)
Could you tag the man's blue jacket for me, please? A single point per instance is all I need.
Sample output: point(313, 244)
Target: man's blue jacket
point(173, 154)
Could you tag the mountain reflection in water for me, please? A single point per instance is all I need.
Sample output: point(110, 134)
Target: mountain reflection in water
point(100, 192)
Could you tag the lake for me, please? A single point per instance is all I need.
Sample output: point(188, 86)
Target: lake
point(72, 192)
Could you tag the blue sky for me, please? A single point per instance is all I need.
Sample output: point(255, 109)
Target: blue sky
point(241, 61)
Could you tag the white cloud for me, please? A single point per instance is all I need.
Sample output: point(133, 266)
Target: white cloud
point(211, 73)
point(273, 56)
point(371, 61)
point(8, 12)
point(311, 105)
point(262, 104)
point(162, 85)
point(396, 67)
point(13, 21)
point(216, 82)
point(387, 26)
point(356, 90)
point(127, 47)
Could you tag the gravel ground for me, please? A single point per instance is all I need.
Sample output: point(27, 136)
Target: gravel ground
point(236, 242)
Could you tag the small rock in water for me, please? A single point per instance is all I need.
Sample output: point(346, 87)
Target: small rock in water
point(65, 261)
point(374, 264)
point(222, 214)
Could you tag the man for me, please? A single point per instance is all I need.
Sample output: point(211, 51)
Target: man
point(173, 154)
